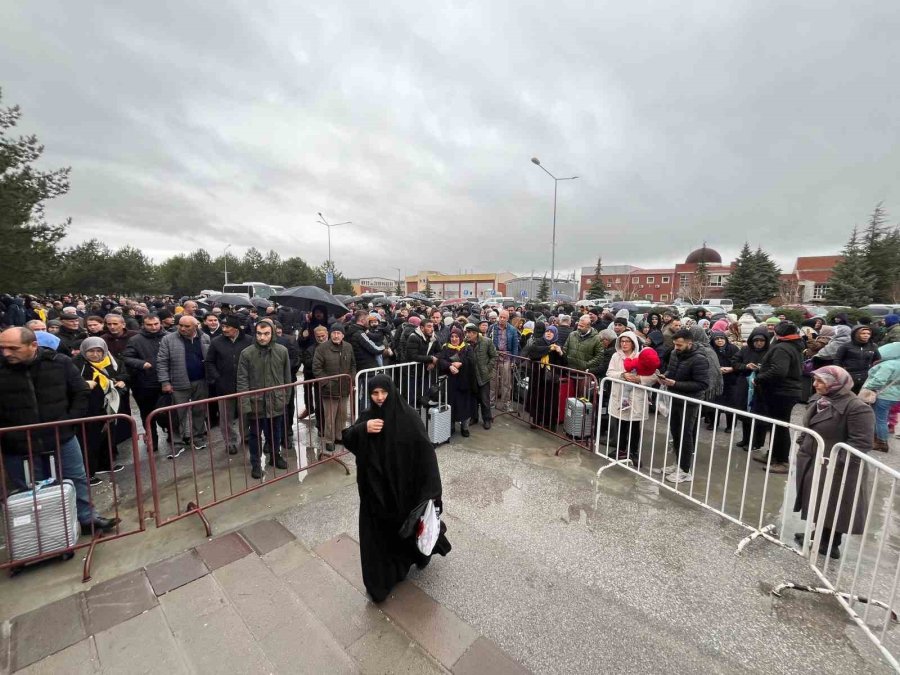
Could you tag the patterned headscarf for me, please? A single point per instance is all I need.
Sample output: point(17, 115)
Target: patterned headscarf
point(838, 381)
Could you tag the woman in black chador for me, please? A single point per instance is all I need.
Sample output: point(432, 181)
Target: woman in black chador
point(396, 472)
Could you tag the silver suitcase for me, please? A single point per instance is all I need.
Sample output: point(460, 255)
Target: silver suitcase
point(579, 417)
point(439, 416)
point(42, 520)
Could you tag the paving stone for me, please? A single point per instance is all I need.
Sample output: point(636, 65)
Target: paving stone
point(342, 553)
point(46, 631)
point(143, 644)
point(175, 572)
point(486, 657)
point(222, 550)
point(387, 649)
point(266, 535)
point(212, 637)
point(78, 659)
point(291, 636)
point(117, 600)
point(440, 632)
point(342, 608)
point(287, 558)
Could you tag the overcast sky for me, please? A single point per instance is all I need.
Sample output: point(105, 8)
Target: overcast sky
point(192, 123)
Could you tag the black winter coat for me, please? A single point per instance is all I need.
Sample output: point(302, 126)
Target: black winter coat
point(690, 370)
point(364, 350)
point(222, 362)
point(47, 389)
point(857, 358)
point(781, 370)
point(293, 348)
point(420, 351)
point(143, 348)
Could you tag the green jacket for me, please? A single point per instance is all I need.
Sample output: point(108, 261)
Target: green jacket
point(484, 354)
point(331, 359)
point(259, 368)
point(893, 335)
point(584, 352)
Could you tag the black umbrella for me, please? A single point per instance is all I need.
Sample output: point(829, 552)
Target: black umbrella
point(306, 297)
point(378, 302)
point(232, 299)
point(260, 303)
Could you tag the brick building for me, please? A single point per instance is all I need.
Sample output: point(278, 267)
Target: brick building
point(447, 286)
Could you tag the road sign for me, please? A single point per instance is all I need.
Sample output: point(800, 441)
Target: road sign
point(493, 292)
point(329, 277)
point(465, 293)
point(524, 293)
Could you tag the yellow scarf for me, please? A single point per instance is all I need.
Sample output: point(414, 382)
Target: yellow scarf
point(102, 380)
point(459, 347)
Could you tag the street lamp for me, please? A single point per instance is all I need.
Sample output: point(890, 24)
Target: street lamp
point(556, 180)
point(225, 257)
point(330, 263)
point(398, 280)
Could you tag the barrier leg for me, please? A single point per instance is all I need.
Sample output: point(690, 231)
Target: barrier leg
point(88, 560)
point(195, 508)
point(777, 592)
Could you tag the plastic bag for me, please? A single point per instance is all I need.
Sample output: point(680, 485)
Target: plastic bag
point(428, 529)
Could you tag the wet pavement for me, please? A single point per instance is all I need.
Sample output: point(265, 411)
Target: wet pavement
point(552, 567)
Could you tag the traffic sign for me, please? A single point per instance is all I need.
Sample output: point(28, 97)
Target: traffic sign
point(465, 293)
point(524, 293)
point(329, 277)
point(493, 292)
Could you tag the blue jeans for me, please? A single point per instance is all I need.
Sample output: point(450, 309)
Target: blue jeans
point(882, 410)
point(271, 428)
point(72, 468)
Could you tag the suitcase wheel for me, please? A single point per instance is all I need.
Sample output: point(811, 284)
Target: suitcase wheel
point(67, 556)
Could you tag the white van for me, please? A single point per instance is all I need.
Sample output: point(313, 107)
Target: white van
point(725, 303)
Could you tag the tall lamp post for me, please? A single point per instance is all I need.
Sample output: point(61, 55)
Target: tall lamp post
point(225, 258)
point(556, 180)
point(330, 263)
point(398, 280)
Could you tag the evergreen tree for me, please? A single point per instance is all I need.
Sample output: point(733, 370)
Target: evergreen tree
point(398, 290)
point(765, 277)
point(882, 255)
point(428, 293)
point(851, 283)
point(543, 290)
point(28, 252)
point(740, 284)
point(597, 289)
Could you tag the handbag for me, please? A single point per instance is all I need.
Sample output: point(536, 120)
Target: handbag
point(808, 367)
point(867, 396)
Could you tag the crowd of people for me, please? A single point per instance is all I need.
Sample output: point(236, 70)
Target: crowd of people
point(74, 357)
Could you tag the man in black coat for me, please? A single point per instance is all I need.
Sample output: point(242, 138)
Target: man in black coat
point(289, 342)
point(687, 374)
point(365, 352)
point(422, 347)
point(41, 385)
point(221, 369)
point(779, 384)
point(140, 358)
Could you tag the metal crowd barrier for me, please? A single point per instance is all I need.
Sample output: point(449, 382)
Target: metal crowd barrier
point(652, 436)
point(540, 394)
point(215, 465)
point(40, 514)
point(859, 498)
point(413, 380)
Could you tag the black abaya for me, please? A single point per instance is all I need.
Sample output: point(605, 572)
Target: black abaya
point(396, 470)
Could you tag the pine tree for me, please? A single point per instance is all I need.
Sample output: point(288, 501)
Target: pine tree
point(879, 246)
point(851, 283)
point(597, 289)
point(397, 290)
point(428, 292)
point(765, 277)
point(543, 290)
point(740, 285)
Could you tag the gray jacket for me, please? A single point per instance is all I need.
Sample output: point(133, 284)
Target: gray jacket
point(170, 359)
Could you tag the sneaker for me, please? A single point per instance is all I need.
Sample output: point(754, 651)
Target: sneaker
point(761, 456)
point(94, 481)
point(680, 476)
point(667, 470)
point(279, 461)
point(200, 444)
point(116, 469)
point(179, 450)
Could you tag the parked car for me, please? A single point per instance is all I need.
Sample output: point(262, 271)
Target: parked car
point(760, 311)
point(881, 310)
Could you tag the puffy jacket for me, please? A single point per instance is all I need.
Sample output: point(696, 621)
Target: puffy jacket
point(484, 355)
point(222, 361)
point(420, 349)
point(48, 389)
point(781, 369)
point(857, 358)
point(293, 348)
point(143, 348)
point(884, 377)
point(331, 359)
point(584, 352)
point(690, 370)
point(364, 350)
point(170, 363)
point(72, 339)
point(512, 338)
point(260, 367)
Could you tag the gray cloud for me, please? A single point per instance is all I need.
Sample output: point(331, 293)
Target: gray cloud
point(191, 124)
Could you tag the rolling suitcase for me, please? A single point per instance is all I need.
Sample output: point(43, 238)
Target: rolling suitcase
point(438, 415)
point(579, 417)
point(44, 519)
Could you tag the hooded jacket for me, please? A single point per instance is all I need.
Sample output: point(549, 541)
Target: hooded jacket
point(884, 377)
point(260, 367)
point(690, 370)
point(856, 357)
point(420, 349)
point(364, 350)
point(829, 352)
point(584, 352)
point(626, 402)
point(781, 369)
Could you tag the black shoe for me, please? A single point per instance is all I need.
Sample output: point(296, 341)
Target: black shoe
point(94, 481)
point(742, 444)
point(464, 431)
point(834, 554)
point(232, 450)
point(726, 430)
point(99, 524)
point(709, 426)
point(279, 461)
point(487, 424)
point(256, 472)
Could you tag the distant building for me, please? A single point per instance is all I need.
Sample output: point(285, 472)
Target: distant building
point(374, 285)
point(531, 285)
point(448, 286)
point(808, 281)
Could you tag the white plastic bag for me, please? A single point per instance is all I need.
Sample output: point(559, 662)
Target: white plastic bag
point(428, 529)
point(662, 402)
